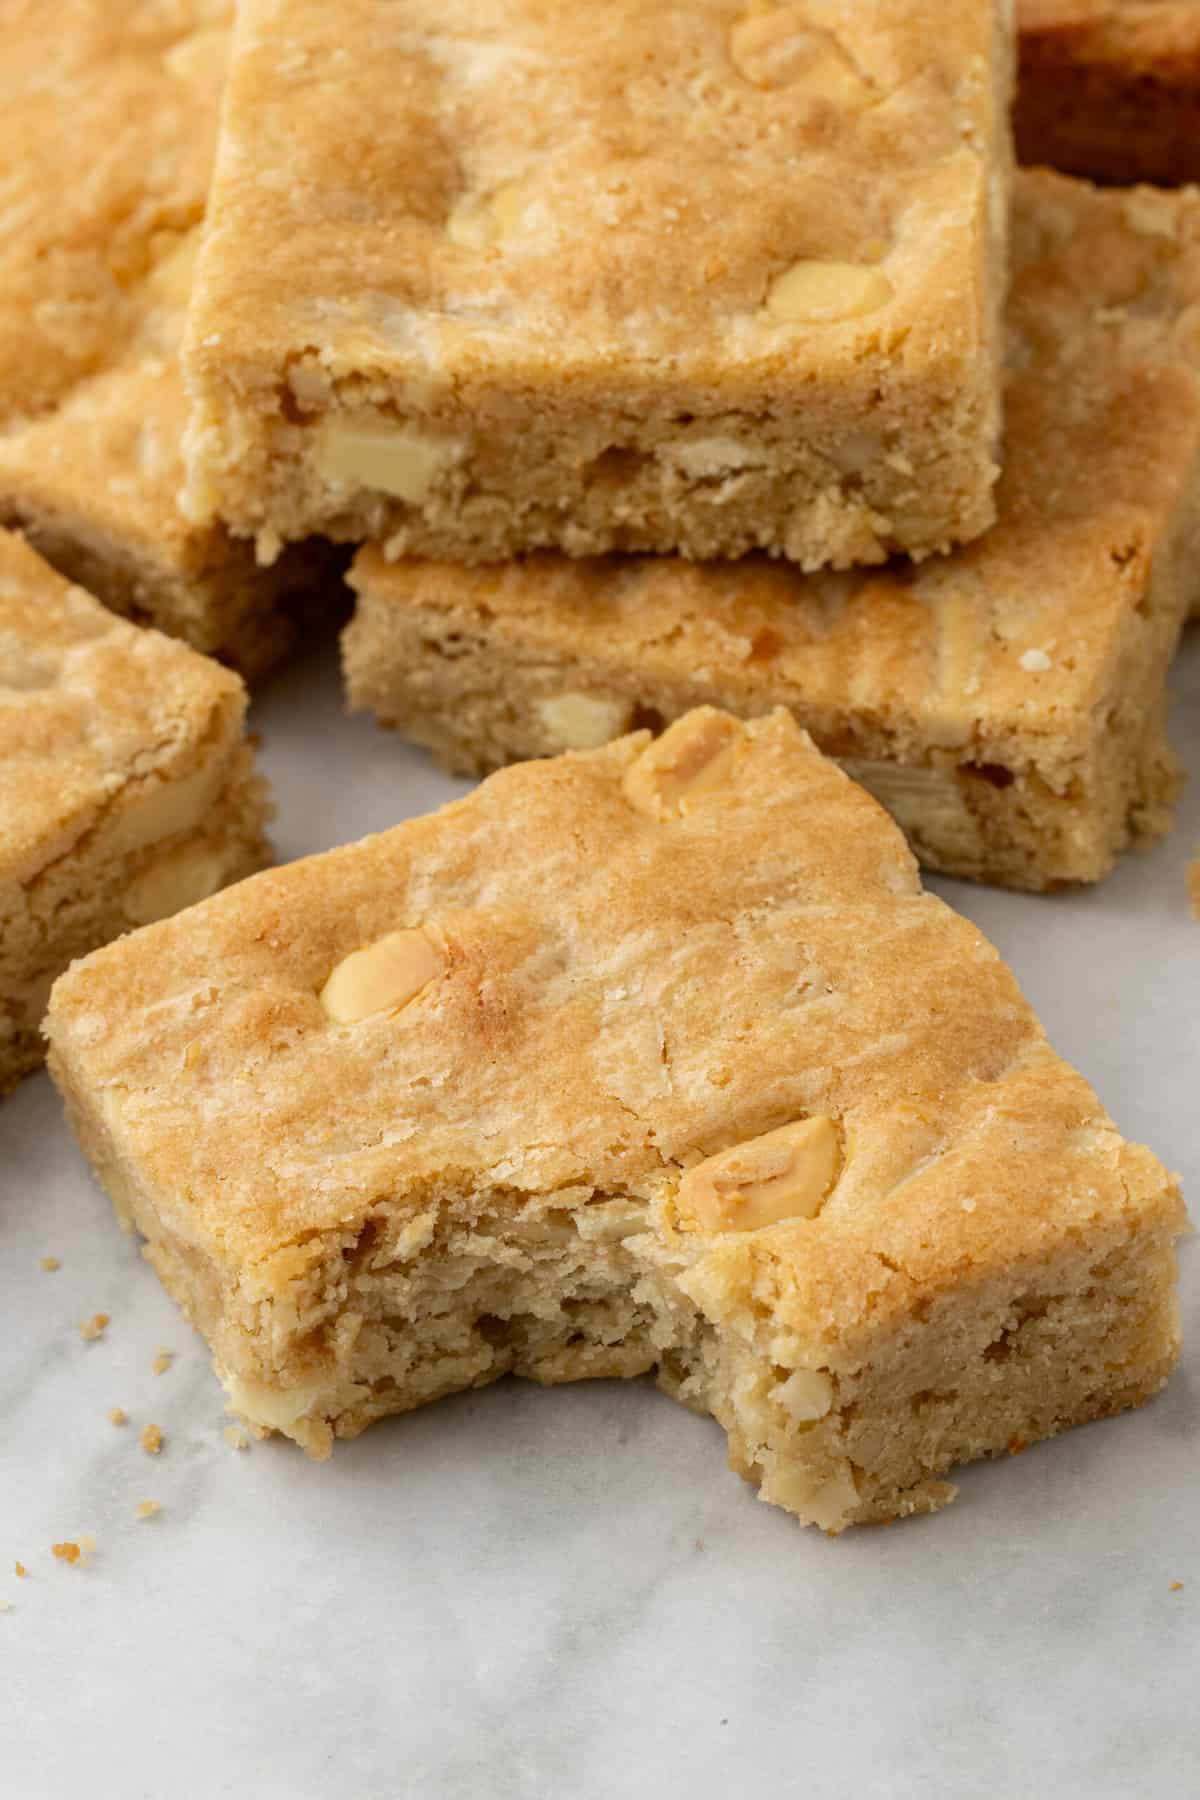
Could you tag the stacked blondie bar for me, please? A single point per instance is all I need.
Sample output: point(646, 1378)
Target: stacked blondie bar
point(721, 428)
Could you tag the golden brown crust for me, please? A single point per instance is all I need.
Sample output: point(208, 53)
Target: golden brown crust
point(109, 112)
point(124, 778)
point(633, 977)
point(477, 223)
point(1026, 673)
point(1110, 89)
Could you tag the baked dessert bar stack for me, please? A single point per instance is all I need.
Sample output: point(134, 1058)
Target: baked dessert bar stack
point(108, 115)
point(127, 788)
point(698, 276)
point(720, 1095)
point(1006, 703)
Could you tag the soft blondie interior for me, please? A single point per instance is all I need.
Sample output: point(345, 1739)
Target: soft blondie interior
point(409, 1309)
point(727, 1099)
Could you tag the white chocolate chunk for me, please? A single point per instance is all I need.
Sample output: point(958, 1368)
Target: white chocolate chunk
point(702, 458)
point(807, 1395)
point(182, 878)
point(391, 458)
point(157, 808)
point(582, 721)
point(478, 221)
point(383, 977)
point(824, 293)
point(693, 756)
point(922, 801)
point(277, 1409)
point(784, 1174)
point(776, 48)
point(828, 1504)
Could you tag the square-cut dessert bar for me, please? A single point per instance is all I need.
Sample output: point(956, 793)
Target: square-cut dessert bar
point(1110, 88)
point(485, 276)
point(649, 1058)
point(1005, 703)
point(108, 112)
point(126, 785)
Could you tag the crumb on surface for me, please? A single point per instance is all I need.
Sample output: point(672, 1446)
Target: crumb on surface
point(21, 1570)
point(96, 1326)
point(67, 1552)
point(151, 1439)
point(50, 1263)
point(5, 1606)
point(236, 1438)
point(146, 1509)
point(163, 1361)
point(87, 1542)
point(117, 1415)
point(1175, 1587)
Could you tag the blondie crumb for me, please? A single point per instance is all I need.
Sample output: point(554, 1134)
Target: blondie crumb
point(163, 1361)
point(151, 1439)
point(93, 1328)
point(236, 1438)
point(21, 1570)
point(118, 1416)
point(67, 1552)
point(147, 1509)
point(50, 1263)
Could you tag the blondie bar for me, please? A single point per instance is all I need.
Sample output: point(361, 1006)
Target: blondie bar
point(126, 785)
point(108, 113)
point(695, 275)
point(1006, 703)
point(649, 1058)
point(1111, 88)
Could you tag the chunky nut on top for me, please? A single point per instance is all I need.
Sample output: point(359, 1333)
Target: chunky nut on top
point(693, 756)
point(821, 293)
point(383, 977)
point(774, 47)
point(784, 1174)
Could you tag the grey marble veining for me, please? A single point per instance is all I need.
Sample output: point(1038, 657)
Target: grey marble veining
point(563, 1595)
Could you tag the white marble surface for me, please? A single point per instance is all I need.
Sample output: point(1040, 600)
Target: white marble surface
point(524, 1594)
